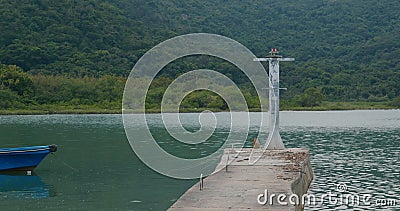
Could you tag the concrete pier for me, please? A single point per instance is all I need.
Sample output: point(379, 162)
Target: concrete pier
point(241, 186)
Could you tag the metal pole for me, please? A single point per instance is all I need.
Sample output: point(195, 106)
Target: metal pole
point(274, 135)
point(276, 140)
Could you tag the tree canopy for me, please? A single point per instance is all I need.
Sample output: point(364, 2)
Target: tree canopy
point(347, 50)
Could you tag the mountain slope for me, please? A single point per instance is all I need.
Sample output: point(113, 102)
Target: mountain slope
point(349, 48)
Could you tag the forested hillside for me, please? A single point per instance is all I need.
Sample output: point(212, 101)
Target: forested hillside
point(345, 50)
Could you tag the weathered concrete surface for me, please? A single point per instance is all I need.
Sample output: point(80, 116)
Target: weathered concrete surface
point(284, 171)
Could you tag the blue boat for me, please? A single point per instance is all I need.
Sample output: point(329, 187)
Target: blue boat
point(23, 158)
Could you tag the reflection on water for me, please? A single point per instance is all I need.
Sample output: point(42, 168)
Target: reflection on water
point(18, 185)
point(95, 167)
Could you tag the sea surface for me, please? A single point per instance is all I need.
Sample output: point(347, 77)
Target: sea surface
point(353, 153)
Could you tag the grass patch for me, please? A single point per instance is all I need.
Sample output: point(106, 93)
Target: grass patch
point(92, 109)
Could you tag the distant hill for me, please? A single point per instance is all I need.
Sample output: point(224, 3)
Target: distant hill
point(349, 49)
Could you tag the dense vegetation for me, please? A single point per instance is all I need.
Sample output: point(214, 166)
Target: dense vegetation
point(77, 54)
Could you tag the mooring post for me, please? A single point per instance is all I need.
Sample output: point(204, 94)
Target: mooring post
point(201, 182)
point(274, 59)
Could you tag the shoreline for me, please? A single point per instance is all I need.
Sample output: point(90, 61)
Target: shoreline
point(328, 106)
point(61, 111)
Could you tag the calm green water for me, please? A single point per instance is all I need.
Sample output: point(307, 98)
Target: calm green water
point(95, 168)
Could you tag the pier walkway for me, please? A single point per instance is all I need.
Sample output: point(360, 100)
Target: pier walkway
point(238, 187)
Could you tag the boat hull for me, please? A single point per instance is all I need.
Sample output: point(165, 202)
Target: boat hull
point(23, 158)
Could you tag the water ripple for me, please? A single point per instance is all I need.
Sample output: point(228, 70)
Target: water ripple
point(365, 160)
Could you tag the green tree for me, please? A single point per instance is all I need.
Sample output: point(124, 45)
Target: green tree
point(9, 99)
point(311, 97)
point(395, 102)
point(13, 78)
